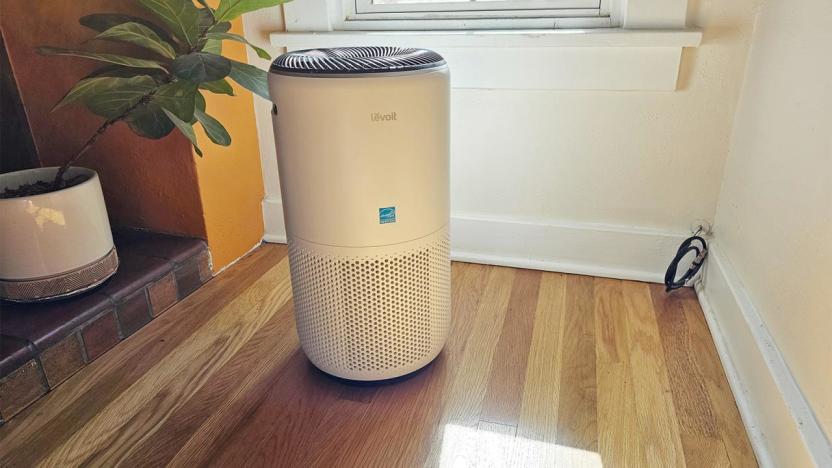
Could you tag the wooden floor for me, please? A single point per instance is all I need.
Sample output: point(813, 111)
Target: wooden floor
point(541, 369)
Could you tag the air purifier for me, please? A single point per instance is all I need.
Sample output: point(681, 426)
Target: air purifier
point(362, 145)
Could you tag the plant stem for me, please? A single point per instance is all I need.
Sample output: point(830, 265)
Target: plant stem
point(202, 35)
point(65, 166)
point(59, 177)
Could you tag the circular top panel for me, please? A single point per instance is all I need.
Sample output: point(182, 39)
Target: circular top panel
point(356, 60)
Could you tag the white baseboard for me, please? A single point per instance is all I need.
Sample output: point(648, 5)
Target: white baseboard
point(275, 230)
point(781, 425)
point(587, 249)
point(621, 252)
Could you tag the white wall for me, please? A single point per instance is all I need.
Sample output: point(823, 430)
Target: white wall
point(774, 220)
point(645, 159)
point(641, 160)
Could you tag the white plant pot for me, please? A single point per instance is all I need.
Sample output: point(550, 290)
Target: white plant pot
point(56, 244)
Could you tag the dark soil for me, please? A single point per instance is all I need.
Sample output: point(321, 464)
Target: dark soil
point(41, 186)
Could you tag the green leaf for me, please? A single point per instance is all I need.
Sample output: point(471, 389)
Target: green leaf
point(178, 98)
point(112, 97)
point(80, 91)
point(186, 129)
point(182, 16)
point(236, 37)
point(218, 87)
point(250, 78)
point(206, 20)
point(205, 4)
point(139, 35)
point(201, 66)
point(212, 46)
point(230, 9)
point(150, 121)
point(128, 72)
point(109, 58)
point(84, 89)
point(215, 131)
point(101, 22)
point(221, 27)
point(206, 23)
point(199, 103)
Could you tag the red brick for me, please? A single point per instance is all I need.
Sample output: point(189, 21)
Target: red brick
point(162, 294)
point(100, 335)
point(62, 360)
point(133, 313)
point(21, 388)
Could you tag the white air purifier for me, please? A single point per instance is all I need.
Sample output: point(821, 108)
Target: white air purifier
point(362, 143)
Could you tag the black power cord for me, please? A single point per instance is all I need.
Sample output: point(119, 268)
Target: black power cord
point(694, 244)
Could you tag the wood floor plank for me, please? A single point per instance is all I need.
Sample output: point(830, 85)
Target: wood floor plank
point(539, 412)
point(618, 438)
point(577, 405)
point(413, 422)
point(706, 358)
point(468, 281)
point(701, 441)
point(504, 396)
point(166, 386)
point(53, 419)
point(656, 415)
point(192, 430)
point(286, 425)
point(469, 384)
point(466, 388)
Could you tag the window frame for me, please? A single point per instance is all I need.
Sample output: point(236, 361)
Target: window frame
point(472, 15)
point(369, 6)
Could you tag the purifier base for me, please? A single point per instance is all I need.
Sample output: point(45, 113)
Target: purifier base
point(372, 313)
point(391, 376)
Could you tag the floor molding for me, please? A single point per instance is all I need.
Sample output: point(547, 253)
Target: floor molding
point(781, 425)
point(274, 228)
point(610, 251)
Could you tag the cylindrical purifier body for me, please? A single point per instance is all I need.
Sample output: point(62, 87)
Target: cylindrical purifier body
point(363, 142)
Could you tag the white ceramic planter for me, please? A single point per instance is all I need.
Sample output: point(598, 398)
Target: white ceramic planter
point(55, 244)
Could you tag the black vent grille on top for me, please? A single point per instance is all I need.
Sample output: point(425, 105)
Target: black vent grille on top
point(356, 60)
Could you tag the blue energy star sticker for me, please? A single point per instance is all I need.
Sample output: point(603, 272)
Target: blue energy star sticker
point(387, 215)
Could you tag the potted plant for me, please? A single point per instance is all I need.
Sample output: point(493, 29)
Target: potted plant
point(55, 235)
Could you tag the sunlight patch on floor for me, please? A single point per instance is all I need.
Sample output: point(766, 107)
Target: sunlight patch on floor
point(495, 445)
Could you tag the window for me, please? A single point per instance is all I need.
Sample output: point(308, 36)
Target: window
point(610, 45)
point(475, 14)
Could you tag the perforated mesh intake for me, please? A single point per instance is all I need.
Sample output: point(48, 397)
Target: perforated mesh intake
point(356, 60)
point(364, 316)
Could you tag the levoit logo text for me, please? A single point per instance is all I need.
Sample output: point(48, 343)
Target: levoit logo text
point(382, 117)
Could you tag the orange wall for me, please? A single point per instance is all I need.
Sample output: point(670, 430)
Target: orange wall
point(147, 184)
point(230, 179)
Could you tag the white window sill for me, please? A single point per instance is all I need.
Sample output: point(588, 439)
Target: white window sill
point(604, 37)
point(569, 59)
